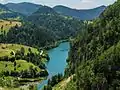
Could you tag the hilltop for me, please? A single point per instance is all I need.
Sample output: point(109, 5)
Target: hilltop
point(24, 8)
point(83, 14)
point(5, 13)
point(27, 9)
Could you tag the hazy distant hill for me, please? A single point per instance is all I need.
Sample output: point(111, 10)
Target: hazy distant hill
point(23, 8)
point(29, 8)
point(3, 7)
point(88, 14)
point(5, 13)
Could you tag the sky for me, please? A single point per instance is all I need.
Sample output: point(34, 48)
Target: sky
point(78, 4)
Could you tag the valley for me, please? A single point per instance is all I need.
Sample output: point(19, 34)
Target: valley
point(59, 47)
point(23, 46)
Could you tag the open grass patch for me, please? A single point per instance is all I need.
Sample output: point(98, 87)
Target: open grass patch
point(5, 25)
point(6, 49)
point(21, 65)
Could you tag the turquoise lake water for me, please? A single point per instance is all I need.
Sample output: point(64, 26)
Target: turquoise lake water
point(57, 61)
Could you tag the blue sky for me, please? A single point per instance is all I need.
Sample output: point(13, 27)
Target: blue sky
point(79, 4)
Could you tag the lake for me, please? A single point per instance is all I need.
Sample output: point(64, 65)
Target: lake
point(57, 61)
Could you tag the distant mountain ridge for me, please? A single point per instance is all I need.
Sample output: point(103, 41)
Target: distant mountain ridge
point(87, 14)
point(84, 14)
point(23, 8)
point(5, 13)
point(45, 10)
point(3, 7)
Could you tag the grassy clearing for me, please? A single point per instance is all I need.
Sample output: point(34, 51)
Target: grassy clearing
point(24, 69)
point(21, 88)
point(6, 25)
point(21, 65)
point(6, 49)
point(1, 88)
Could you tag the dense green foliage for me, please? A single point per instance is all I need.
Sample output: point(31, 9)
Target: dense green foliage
point(53, 81)
point(44, 28)
point(29, 34)
point(94, 57)
point(5, 13)
point(60, 26)
point(22, 63)
point(10, 58)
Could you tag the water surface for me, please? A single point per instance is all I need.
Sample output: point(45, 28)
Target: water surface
point(57, 61)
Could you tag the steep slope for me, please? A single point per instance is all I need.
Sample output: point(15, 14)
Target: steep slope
point(81, 14)
point(94, 55)
point(43, 28)
point(61, 26)
point(29, 34)
point(23, 8)
point(5, 13)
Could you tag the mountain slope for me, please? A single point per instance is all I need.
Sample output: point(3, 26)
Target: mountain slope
point(61, 26)
point(94, 57)
point(43, 28)
point(19, 61)
point(81, 14)
point(5, 13)
point(23, 8)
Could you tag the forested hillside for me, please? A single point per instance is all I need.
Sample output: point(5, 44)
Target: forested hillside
point(20, 64)
point(30, 34)
point(94, 57)
point(5, 13)
point(42, 28)
point(93, 62)
point(61, 26)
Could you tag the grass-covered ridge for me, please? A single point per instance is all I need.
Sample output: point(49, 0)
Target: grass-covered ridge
point(6, 49)
point(6, 25)
point(23, 63)
point(16, 47)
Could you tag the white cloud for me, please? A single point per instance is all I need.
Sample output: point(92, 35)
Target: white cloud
point(1, 0)
point(87, 1)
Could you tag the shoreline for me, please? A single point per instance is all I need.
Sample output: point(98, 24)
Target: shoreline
point(56, 44)
point(44, 82)
point(26, 83)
